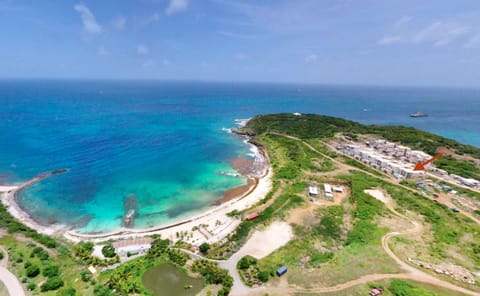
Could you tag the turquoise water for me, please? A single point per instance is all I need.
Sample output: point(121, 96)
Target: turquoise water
point(163, 142)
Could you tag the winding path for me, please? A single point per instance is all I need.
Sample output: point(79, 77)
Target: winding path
point(12, 284)
point(411, 273)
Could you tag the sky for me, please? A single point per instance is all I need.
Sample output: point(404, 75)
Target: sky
point(395, 42)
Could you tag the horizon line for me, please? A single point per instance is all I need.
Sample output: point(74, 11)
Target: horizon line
point(292, 83)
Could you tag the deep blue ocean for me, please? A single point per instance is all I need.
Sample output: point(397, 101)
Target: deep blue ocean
point(163, 142)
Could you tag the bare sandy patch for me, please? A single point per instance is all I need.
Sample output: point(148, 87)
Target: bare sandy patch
point(377, 194)
point(264, 242)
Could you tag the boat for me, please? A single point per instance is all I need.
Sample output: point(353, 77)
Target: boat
point(418, 114)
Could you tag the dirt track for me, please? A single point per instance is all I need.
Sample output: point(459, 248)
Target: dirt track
point(411, 273)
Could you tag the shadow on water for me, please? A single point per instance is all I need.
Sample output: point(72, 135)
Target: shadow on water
point(167, 280)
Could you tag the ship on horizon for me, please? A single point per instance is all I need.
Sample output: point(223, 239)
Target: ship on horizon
point(418, 114)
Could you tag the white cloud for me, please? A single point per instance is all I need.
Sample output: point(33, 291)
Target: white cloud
point(237, 35)
point(176, 6)
point(390, 40)
point(103, 52)
point(120, 23)
point(90, 25)
point(402, 21)
point(310, 59)
point(142, 50)
point(146, 20)
point(438, 33)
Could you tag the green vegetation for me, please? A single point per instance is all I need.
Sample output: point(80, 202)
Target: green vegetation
point(67, 292)
point(310, 126)
point(404, 288)
point(250, 273)
point(83, 250)
point(462, 168)
point(51, 271)
point(31, 270)
point(204, 248)
point(13, 226)
point(127, 278)
point(361, 166)
point(340, 252)
point(214, 275)
point(108, 251)
point(52, 283)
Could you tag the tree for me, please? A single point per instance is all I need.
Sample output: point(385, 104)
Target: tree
point(101, 290)
point(51, 284)
point(108, 251)
point(32, 271)
point(246, 261)
point(159, 246)
point(204, 248)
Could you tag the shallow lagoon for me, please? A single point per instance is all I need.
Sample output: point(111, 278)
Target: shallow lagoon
point(167, 280)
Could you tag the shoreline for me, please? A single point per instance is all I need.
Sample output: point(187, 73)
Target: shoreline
point(243, 200)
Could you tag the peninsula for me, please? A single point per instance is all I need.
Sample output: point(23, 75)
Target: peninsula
point(340, 209)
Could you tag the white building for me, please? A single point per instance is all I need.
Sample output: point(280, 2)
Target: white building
point(328, 191)
point(313, 190)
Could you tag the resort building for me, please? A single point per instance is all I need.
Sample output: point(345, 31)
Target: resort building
point(384, 162)
point(328, 191)
point(312, 190)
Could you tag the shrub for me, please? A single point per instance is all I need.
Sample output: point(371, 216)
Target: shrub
point(177, 257)
point(108, 251)
point(32, 271)
point(246, 262)
point(159, 246)
point(204, 248)
point(83, 249)
point(31, 287)
point(51, 270)
point(101, 290)
point(51, 284)
point(403, 288)
point(263, 276)
point(1, 255)
point(85, 275)
point(67, 292)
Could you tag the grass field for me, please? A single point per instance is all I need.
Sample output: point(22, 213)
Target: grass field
point(415, 289)
point(24, 252)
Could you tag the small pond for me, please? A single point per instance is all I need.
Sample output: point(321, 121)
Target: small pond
point(168, 280)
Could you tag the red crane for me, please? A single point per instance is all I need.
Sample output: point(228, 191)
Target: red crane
point(420, 166)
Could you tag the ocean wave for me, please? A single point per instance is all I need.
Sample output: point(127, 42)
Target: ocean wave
point(242, 122)
point(228, 130)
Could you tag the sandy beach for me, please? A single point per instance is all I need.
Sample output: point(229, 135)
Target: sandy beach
point(219, 225)
point(8, 197)
point(210, 226)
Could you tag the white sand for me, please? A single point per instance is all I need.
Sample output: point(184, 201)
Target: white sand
point(214, 233)
point(264, 242)
point(218, 224)
point(377, 194)
point(7, 194)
